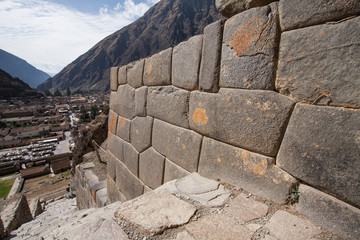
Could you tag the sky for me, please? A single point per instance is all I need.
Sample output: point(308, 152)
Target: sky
point(50, 34)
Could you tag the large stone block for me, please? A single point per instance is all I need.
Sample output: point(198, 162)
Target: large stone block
point(112, 122)
point(115, 146)
point(126, 101)
point(2, 230)
point(129, 185)
point(110, 165)
point(186, 63)
point(254, 120)
point(229, 8)
point(210, 58)
point(170, 104)
point(122, 76)
point(113, 193)
point(135, 73)
point(157, 70)
point(114, 78)
point(251, 171)
point(328, 212)
point(180, 145)
point(131, 158)
point(297, 14)
point(141, 128)
point(173, 171)
point(140, 101)
point(321, 147)
point(249, 49)
point(113, 105)
point(151, 168)
point(327, 71)
point(123, 128)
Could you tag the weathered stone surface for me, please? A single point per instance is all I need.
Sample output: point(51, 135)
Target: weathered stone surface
point(251, 171)
point(184, 235)
point(327, 73)
point(15, 211)
point(115, 146)
point(248, 50)
point(328, 212)
point(173, 171)
point(140, 101)
point(114, 78)
point(297, 14)
point(174, 104)
point(122, 75)
point(211, 57)
point(134, 73)
point(151, 168)
point(205, 191)
point(129, 185)
point(101, 197)
point(186, 63)
point(156, 211)
point(254, 120)
point(321, 147)
point(215, 227)
point(245, 209)
point(35, 207)
point(86, 166)
point(141, 128)
point(287, 226)
point(180, 145)
point(110, 165)
point(112, 122)
point(114, 104)
point(123, 128)
point(131, 158)
point(113, 193)
point(103, 229)
point(147, 189)
point(157, 71)
point(229, 8)
point(126, 101)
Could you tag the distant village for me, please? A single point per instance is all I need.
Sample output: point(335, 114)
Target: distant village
point(31, 130)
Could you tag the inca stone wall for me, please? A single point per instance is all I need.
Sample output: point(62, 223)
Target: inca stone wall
point(267, 100)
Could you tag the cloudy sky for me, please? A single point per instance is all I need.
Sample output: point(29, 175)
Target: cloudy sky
point(50, 34)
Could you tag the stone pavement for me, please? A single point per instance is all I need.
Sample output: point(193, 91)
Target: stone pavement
point(180, 210)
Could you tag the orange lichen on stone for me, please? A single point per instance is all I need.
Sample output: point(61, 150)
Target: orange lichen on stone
point(246, 36)
point(112, 124)
point(200, 117)
point(122, 122)
point(258, 170)
point(218, 160)
point(245, 154)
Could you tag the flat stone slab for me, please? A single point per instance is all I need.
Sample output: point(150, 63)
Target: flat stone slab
point(103, 229)
point(296, 14)
point(205, 191)
point(155, 211)
point(321, 147)
point(215, 227)
point(248, 49)
point(245, 209)
point(327, 73)
point(287, 226)
point(330, 213)
point(250, 119)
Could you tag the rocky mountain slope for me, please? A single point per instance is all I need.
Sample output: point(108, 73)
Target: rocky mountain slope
point(19, 68)
point(14, 87)
point(166, 24)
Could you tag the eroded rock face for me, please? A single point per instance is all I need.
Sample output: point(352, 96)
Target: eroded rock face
point(229, 8)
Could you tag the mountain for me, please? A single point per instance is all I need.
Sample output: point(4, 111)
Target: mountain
point(165, 25)
point(18, 67)
point(14, 87)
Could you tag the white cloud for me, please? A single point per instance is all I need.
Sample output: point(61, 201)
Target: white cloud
point(50, 36)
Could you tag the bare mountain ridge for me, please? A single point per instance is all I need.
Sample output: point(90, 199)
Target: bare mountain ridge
point(165, 25)
point(14, 87)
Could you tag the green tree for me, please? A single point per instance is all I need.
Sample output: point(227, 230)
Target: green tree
point(57, 93)
point(68, 92)
point(94, 111)
point(84, 116)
